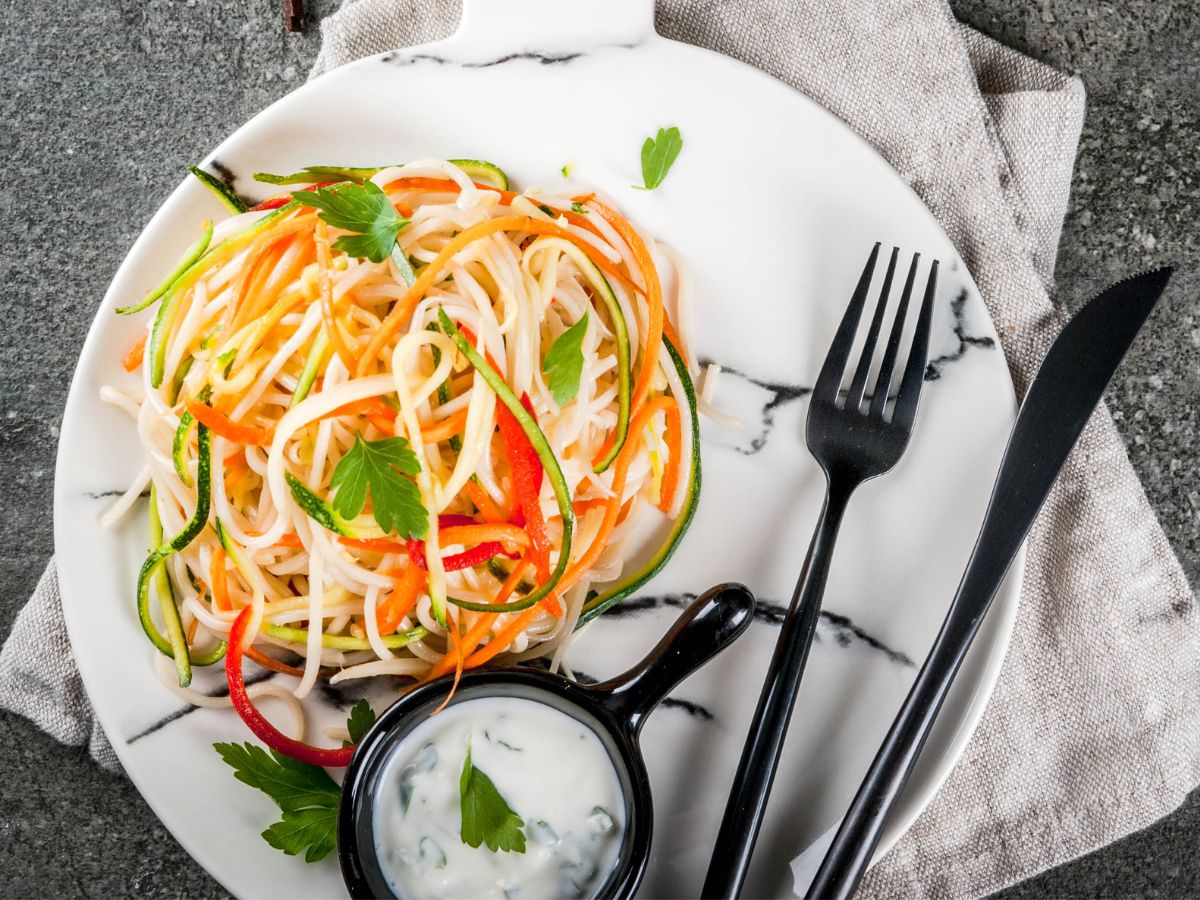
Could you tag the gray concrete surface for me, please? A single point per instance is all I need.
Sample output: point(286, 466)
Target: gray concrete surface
point(103, 102)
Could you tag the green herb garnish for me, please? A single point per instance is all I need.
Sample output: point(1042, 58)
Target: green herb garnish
point(486, 816)
point(658, 155)
point(305, 793)
point(361, 208)
point(563, 365)
point(381, 466)
point(362, 717)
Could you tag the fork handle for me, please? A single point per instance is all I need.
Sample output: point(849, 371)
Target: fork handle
point(760, 756)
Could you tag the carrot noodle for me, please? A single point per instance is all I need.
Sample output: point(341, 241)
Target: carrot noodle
point(325, 288)
point(654, 298)
point(133, 358)
point(219, 580)
point(220, 424)
point(290, 351)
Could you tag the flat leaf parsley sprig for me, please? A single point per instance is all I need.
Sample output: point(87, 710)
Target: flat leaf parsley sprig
point(381, 466)
point(486, 816)
point(360, 208)
point(563, 364)
point(305, 793)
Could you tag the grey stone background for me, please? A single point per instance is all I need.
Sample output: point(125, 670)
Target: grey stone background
point(103, 103)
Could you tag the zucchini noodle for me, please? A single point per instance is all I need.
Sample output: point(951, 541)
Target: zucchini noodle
point(293, 353)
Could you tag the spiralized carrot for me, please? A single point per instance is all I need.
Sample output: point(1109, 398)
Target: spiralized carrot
point(481, 534)
point(217, 578)
point(456, 652)
point(249, 284)
point(221, 254)
point(654, 299)
point(133, 358)
point(220, 424)
point(260, 248)
point(409, 584)
point(585, 506)
point(368, 406)
point(415, 183)
point(374, 545)
point(446, 428)
point(475, 634)
point(333, 328)
point(674, 439)
point(486, 506)
point(272, 664)
point(264, 322)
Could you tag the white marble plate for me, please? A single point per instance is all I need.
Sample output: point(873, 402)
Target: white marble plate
point(774, 203)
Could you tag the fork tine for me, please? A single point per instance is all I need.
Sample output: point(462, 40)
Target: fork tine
point(883, 384)
point(858, 386)
point(830, 379)
point(914, 369)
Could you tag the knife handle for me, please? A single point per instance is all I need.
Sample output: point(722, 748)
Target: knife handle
point(860, 831)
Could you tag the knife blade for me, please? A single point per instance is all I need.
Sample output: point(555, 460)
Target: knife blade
point(1057, 406)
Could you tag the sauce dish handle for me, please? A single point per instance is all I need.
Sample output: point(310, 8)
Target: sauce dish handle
point(713, 621)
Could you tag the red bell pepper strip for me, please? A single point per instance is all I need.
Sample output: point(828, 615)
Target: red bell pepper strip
point(465, 560)
point(473, 557)
point(284, 199)
point(273, 203)
point(527, 474)
point(264, 730)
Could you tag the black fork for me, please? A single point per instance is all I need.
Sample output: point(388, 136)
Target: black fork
point(852, 444)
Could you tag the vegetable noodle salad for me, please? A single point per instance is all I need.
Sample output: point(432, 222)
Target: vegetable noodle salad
point(404, 421)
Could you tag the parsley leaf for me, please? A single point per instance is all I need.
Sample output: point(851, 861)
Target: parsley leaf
point(486, 816)
point(312, 830)
point(360, 208)
point(361, 718)
point(563, 365)
point(381, 466)
point(658, 155)
point(305, 793)
point(290, 783)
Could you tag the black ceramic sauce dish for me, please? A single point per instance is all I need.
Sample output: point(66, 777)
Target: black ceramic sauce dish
point(614, 710)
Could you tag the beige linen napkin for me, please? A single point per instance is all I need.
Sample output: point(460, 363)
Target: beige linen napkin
point(1093, 729)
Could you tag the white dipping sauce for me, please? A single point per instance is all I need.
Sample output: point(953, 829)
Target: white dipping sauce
point(551, 769)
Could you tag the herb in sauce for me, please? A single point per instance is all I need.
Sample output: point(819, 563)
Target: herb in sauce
point(486, 816)
point(543, 766)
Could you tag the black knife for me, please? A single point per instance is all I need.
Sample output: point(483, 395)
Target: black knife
point(1066, 390)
